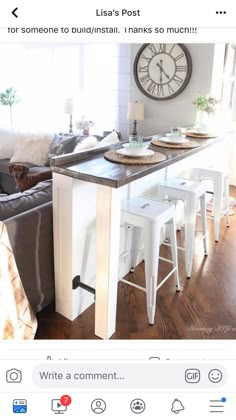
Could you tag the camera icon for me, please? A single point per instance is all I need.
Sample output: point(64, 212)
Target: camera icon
point(13, 376)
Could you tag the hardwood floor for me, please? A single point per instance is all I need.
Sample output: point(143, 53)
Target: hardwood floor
point(204, 309)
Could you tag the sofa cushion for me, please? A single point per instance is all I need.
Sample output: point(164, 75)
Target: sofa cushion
point(14, 204)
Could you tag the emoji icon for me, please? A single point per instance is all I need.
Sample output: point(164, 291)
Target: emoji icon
point(215, 376)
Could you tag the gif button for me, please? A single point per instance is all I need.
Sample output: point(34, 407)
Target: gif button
point(192, 376)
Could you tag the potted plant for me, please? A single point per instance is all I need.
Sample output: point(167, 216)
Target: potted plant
point(206, 105)
point(10, 98)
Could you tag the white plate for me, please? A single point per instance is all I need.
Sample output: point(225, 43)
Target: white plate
point(174, 135)
point(128, 146)
point(145, 152)
point(201, 133)
point(173, 141)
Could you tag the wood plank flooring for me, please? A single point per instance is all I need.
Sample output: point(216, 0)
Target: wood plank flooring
point(204, 309)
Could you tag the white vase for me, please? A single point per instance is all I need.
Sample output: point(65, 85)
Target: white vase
point(201, 119)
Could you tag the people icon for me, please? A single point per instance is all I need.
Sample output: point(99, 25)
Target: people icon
point(137, 406)
point(98, 406)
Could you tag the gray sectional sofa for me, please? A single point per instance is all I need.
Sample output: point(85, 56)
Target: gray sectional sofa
point(29, 222)
point(28, 218)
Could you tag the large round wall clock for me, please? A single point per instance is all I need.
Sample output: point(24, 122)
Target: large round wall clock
point(162, 71)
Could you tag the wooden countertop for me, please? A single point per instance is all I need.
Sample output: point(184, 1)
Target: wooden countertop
point(91, 166)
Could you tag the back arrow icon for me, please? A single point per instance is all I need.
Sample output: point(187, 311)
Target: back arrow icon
point(14, 12)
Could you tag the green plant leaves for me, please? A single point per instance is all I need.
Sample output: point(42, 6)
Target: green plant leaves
point(9, 97)
point(206, 103)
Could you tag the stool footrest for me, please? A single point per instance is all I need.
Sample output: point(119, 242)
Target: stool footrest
point(165, 278)
point(130, 283)
point(212, 217)
point(166, 259)
point(181, 248)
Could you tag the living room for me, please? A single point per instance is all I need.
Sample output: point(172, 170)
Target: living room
point(85, 90)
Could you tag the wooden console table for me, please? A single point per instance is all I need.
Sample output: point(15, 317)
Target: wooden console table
point(86, 191)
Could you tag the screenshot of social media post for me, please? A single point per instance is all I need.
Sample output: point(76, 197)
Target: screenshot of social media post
point(117, 175)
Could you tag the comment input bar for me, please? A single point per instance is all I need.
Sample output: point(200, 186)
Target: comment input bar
point(129, 375)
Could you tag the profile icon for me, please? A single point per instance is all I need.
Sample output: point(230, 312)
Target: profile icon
point(98, 406)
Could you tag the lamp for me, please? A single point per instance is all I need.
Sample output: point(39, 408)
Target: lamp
point(135, 113)
point(69, 111)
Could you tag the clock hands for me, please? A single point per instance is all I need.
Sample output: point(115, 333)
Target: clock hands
point(162, 71)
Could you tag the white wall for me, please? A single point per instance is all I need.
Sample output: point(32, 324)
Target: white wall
point(125, 76)
point(161, 115)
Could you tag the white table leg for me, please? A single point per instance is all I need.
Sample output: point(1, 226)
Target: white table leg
point(107, 259)
point(74, 204)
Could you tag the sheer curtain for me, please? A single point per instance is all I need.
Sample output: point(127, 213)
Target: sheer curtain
point(232, 161)
point(229, 105)
point(45, 75)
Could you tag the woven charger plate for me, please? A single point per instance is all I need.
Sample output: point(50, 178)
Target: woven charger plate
point(113, 156)
point(199, 136)
point(187, 145)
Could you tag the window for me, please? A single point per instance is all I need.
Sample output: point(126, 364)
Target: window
point(229, 76)
point(45, 75)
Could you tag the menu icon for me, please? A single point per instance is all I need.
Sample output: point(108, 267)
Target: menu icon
point(217, 406)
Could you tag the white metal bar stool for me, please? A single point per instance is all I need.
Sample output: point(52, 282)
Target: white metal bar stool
point(189, 192)
point(148, 216)
point(220, 188)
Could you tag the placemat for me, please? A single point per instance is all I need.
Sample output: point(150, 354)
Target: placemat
point(113, 156)
point(199, 135)
point(187, 145)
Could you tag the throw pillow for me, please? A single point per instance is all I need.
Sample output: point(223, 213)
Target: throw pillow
point(64, 143)
point(111, 138)
point(89, 142)
point(8, 138)
point(11, 205)
point(33, 151)
point(11, 140)
point(26, 136)
point(105, 133)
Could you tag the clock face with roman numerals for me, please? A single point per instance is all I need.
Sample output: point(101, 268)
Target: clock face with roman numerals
point(162, 71)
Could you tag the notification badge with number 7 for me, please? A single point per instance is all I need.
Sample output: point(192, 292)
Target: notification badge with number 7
point(65, 400)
